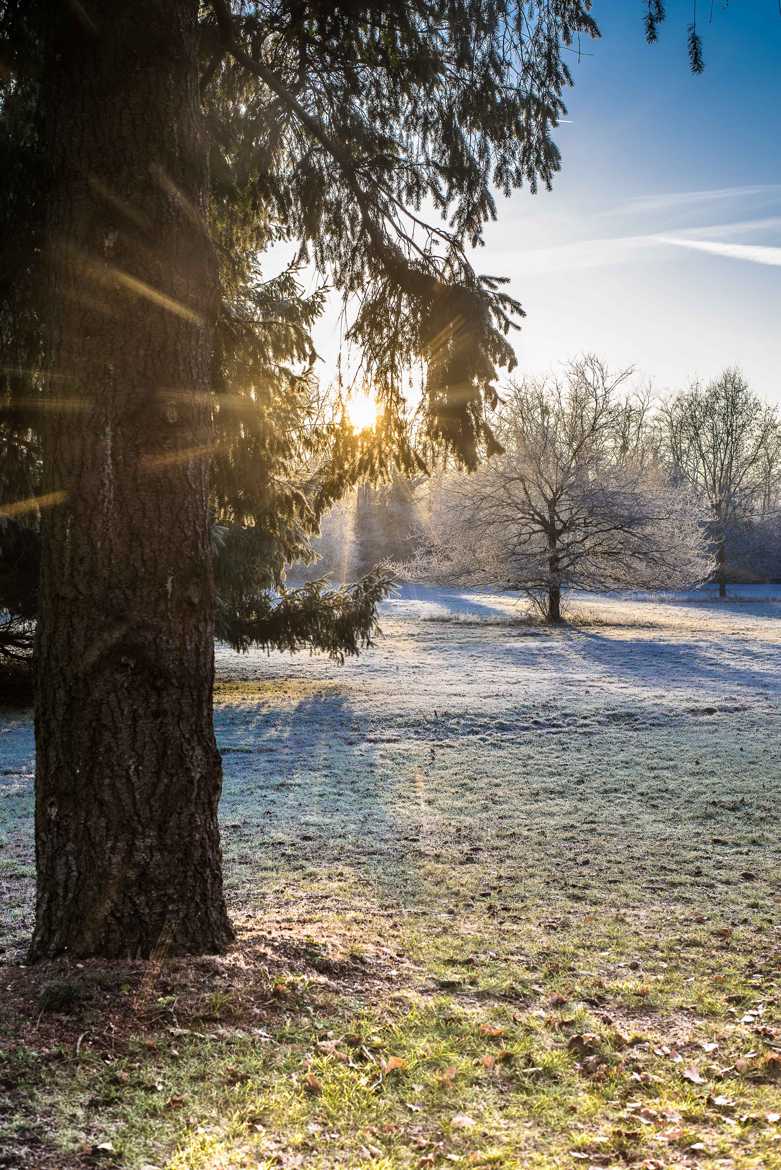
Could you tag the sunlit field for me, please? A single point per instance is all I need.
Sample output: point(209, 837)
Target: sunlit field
point(390, 512)
point(506, 896)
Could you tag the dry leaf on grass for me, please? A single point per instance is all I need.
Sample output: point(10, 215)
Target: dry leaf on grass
point(462, 1121)
point(721, 1102)
point(584, 1044)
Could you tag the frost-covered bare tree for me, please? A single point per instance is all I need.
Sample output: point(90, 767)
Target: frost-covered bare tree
point(768, 503)
point(723, 440)
point(576, 498)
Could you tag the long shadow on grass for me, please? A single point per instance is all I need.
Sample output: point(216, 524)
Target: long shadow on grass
point(308, 795)
point(455, 605)
point(652, 662)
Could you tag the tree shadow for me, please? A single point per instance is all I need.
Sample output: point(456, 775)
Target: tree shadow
point(448, 604)
point(308, 797)
point(655, 662)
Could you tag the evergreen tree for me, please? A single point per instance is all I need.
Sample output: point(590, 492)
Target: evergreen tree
point(149, 153)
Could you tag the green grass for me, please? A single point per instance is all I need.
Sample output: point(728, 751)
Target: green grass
point(564, 1039)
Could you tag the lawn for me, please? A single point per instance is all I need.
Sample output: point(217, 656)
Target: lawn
point(506, 897)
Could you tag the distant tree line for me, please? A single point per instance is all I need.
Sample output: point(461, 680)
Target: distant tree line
point(594, 488)
point(724, 442)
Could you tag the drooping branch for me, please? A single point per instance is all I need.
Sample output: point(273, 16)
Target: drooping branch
point(460, 317)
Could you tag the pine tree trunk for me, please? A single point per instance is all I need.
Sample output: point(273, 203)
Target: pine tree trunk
point(128, 775)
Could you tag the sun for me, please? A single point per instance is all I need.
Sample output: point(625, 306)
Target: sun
point(362, 411)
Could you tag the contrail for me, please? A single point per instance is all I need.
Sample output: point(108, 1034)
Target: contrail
point(753, 253)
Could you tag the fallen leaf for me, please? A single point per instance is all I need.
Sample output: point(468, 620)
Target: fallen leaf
point(313, 1083)
point(584, 1044)
point(594, 1066)
point(462, 1121)
point(693, 1075)
point(492, 1030)
point(102, 1150)
point(393, 1064)
point(772, 1118)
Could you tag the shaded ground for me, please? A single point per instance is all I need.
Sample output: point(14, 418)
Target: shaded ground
point(508, 897)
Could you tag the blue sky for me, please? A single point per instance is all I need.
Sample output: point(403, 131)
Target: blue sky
point(660, 245)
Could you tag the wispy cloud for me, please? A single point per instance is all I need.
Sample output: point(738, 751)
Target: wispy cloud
point(683, 199)
point(753, 253)
point(600, 253)
point(609, 251)
point(739, 228)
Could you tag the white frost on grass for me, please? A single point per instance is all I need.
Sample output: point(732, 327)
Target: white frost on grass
point(641, 745)
point(638, 750)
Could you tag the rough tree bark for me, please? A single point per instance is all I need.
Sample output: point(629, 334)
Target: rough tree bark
point(128, 775)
